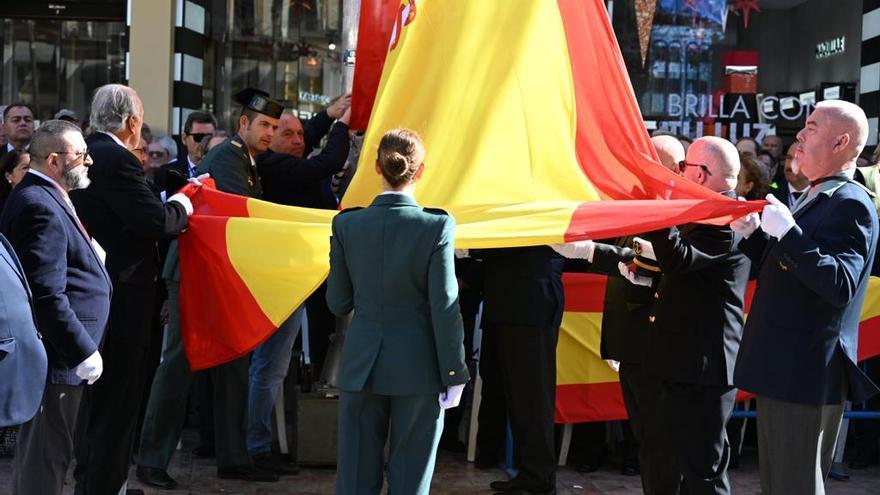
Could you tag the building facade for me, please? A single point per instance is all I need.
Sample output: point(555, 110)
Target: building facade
point(698, 69)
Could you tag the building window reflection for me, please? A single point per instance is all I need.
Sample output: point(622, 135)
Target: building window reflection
point(280, 46)
point(59, 63)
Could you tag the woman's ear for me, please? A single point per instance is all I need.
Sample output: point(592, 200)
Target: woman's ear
point(420, 171)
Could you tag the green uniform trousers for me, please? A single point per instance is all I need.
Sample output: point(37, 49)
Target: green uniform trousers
point(166, 409)
point(415, 422)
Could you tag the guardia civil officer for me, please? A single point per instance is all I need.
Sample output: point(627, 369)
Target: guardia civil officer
point(403, 357)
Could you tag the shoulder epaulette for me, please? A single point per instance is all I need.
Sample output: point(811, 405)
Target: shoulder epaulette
point(353, 208)
point(436, 211)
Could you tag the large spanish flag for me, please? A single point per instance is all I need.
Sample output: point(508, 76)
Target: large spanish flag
point(533, 136)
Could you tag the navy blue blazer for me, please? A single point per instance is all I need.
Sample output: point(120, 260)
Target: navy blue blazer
point(801, 336)
point(22, 355)
point(71, 288)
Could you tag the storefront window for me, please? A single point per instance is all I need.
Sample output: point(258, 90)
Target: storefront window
point(51, 64)
point(686, 41)
point(285, 47)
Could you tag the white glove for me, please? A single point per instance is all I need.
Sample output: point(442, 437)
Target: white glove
point(776, 218)
point(577, 249)
point(184, 201)
point(90, 369)
point(462, 253)
point(632, 276)
point(615, 365)
point(197, 181)
point(451, 397)
point(746, 225)
point(644, 248)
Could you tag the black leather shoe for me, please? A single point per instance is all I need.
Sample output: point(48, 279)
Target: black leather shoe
point(506, 485)
point(202, 452)
point(274, 464)
point(246, 473)
point(155, 477)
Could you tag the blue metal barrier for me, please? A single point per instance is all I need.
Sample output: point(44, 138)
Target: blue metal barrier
point(847, 414)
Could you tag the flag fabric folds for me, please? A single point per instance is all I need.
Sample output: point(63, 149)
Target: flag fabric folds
point(533, 136)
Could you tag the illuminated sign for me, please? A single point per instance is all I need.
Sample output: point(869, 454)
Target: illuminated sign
point(831, 47)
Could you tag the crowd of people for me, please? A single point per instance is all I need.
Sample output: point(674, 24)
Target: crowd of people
point(91, 211)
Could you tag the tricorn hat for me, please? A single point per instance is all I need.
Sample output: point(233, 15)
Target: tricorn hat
point(259, 101)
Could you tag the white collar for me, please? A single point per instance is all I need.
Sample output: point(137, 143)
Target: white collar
point(115, 138)
point(49, 179)
point(10, 147)
point(192, 165)
point(403, 193)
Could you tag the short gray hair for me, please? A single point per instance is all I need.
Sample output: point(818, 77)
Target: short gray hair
point(112, 106)
point(168, 144)
point(49, 138)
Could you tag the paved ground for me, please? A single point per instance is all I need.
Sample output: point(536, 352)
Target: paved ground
point(453, 477)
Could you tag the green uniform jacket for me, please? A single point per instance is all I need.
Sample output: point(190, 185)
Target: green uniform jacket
point(231, 168)
point(393, 264)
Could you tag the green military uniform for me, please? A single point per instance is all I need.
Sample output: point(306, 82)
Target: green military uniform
point(233, 171)
point(232, 168)
point(392, 263)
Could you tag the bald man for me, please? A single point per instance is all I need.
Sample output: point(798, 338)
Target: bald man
point(695, 327)
point(669, 149)
point(799, 348)
point(625, 338)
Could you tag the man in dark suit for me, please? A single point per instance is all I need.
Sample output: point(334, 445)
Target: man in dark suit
point(121, 212)
point(22, 353)
point(625, 338)
point(523, 304)
point(799, 349)
point(697, 324)
point(71, 293)
point(290, 178)
point(794, 185)
point(198, 126)
point(18, 122)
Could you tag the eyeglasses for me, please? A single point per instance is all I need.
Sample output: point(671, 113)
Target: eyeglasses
point(76, 154)
point(199, 136)
point(682, 164)
point(157, 154)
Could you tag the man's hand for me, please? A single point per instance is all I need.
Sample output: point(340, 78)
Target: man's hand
point(90, 369)
point(338, 107)
point(777, 219)
point(452, 397)
point(633, 278)
point(346, 116)
point(184, 201)
point(577, 249)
